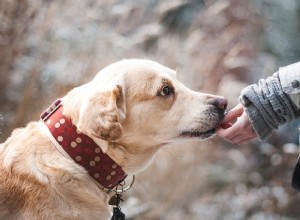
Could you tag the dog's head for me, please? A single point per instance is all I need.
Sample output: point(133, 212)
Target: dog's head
point(140, 102)
point(134, 107)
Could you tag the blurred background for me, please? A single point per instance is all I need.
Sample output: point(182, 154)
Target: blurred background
point(216, 46)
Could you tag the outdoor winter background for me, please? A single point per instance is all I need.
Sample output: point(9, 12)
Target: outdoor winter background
point(48, 47)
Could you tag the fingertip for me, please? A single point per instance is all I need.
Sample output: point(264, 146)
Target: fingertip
point(233, 114)
point(225, 126)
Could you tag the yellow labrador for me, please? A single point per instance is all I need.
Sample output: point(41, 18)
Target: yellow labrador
point(120, 119)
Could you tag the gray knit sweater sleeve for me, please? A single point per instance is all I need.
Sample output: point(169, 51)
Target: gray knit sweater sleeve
point(268, 105)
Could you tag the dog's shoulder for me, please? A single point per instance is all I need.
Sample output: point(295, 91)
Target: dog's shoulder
point(21, 143)
point(39, 182)
point(18, 187)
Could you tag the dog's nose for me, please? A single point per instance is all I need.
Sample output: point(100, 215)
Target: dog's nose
point(221, 103)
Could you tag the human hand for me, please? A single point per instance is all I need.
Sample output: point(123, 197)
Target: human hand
point(241, 131)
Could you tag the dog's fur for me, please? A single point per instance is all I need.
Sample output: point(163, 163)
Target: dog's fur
point(125, 111)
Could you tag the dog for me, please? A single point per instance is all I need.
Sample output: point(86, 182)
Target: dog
point(121, 118)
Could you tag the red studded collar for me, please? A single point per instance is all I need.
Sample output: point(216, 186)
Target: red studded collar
point(81, 148)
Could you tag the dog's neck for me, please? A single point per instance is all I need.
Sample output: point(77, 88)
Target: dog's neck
point(81, 148)
point(128, 153)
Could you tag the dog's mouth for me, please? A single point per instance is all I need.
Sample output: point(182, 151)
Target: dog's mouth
point(211, 128)
point(198, 134)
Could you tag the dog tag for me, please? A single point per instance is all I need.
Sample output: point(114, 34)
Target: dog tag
point(115, 200)
point(118, 214)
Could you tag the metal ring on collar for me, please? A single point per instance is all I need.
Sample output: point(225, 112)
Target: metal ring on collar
point(124, 189)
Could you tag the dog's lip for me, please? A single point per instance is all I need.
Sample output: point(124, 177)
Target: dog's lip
point(203, 134)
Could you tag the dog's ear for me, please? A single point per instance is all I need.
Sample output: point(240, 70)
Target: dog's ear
point(101, 114)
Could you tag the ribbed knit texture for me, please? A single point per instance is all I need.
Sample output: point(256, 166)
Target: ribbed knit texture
point(267, 106)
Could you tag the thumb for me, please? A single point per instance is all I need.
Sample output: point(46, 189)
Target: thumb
point(233, 114)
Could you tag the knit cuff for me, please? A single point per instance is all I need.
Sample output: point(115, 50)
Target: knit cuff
point(256, 110)
point(260, 126)
point(267, 106)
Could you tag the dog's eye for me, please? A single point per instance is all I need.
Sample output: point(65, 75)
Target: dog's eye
point(166, 91)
